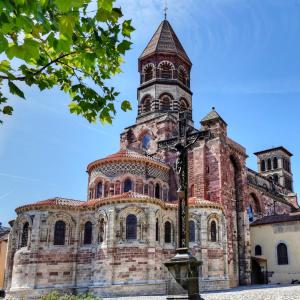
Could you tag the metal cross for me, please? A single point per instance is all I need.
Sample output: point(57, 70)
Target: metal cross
point(187, 137)
point(166, 8)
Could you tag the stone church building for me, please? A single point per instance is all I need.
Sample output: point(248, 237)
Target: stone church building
point(116, 241)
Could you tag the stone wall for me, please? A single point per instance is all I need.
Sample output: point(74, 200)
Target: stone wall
point(116, 261)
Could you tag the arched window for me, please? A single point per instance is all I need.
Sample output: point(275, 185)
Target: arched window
point(275, 163)
point(213, 231)
point(166, 70)
point(250, 213)
point(182, 77)
point(146, 142)
point(165, 103)
point(157, 231)
point(263, 166)
point(24, 238)
point(99, 189)
point(282, 254)
point(131, 227)
point(168, 232)
point(192, 230)
point(148, 72)
point(258, 251)
point(275, 178)
point(101, 231)
point(269, 163)
point(127, 185)
point(183, 105)
point(157, 191)
point(146, 104)
point(88, 231)
point(59, 233)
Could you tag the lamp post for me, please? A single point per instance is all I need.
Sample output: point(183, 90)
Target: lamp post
point(183, 266)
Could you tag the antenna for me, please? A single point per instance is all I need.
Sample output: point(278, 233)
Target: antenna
point(166, 8)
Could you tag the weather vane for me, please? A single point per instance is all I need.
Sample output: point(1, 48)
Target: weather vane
point(166, 8)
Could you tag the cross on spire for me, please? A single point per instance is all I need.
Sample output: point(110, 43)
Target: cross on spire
point(166, 8)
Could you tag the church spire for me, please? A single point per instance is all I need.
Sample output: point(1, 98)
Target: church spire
point(165, 41)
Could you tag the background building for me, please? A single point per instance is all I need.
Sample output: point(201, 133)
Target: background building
point(275, 247)
point(4, 232)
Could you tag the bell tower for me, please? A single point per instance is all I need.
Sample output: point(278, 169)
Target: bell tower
point(163, 92)
point(164, 69)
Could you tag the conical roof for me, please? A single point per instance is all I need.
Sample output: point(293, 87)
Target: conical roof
point(165, 40)
point(211, 116)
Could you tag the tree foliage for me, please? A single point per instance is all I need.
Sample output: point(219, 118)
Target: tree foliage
point(76, 45)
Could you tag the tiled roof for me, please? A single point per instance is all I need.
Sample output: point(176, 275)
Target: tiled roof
point(125, 197)
point(126, 153)
point(274, 149)
point(213, 115)
point(165, 40)
point(57, 201)
point(202, 202)
point(276, 219)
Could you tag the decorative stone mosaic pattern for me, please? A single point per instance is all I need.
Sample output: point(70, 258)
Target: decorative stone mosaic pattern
point(112, 170)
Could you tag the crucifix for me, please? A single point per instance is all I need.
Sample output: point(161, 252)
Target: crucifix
point(187, 137)
point(183, 266)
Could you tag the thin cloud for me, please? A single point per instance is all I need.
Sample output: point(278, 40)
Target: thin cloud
point(5, 195)
point(27, 179)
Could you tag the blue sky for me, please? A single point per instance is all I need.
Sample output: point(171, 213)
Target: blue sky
point(246, 63)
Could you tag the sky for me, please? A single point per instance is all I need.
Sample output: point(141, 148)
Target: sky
point(246, 63)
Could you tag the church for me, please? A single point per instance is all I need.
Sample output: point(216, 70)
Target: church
point(115, 242)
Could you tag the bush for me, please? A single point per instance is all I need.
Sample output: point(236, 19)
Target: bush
point(59, 296)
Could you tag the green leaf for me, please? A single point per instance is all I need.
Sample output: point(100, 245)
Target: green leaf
point(105, 4)
point(102, 15)
point(3, 43)
point(66, 25)
point(15, 90)
point(126, 105)
point(63, 5)
point(4, 66)
point(7, 110)
point(127, 29)
point(124, 46)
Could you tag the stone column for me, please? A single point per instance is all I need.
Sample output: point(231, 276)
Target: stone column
point(204, 247)
point(34, 249)
point(151, 238)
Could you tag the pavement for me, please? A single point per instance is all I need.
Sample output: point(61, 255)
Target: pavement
point(261, 292)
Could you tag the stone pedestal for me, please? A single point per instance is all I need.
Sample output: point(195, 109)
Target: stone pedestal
point(185, 275)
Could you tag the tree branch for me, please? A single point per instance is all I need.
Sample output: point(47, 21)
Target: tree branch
point(22, 78)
